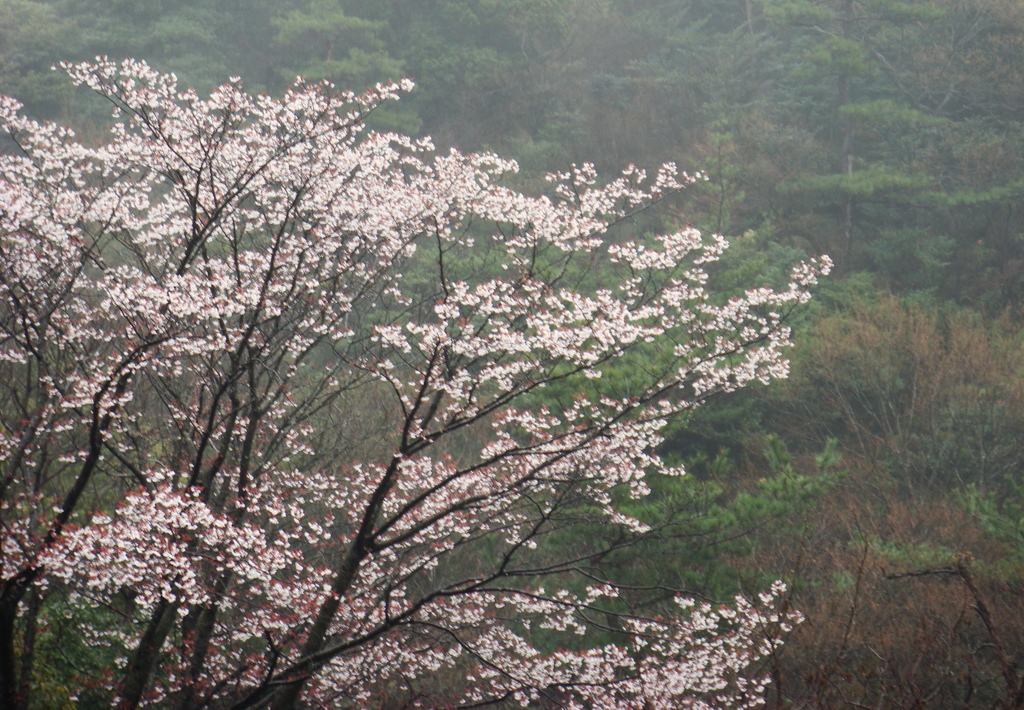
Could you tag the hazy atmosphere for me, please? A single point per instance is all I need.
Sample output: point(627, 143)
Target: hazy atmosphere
point(511, 353)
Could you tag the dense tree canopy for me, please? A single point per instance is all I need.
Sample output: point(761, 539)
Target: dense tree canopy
point(881, 481)
point(190, 309)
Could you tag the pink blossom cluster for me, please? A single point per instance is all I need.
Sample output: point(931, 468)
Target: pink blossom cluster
point(303, 403)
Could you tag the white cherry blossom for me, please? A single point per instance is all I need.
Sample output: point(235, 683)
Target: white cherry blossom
point(299, 405)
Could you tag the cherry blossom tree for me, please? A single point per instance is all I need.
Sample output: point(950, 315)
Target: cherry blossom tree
point(291, 411)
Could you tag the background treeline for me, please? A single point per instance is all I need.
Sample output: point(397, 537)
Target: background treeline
point(883, 480)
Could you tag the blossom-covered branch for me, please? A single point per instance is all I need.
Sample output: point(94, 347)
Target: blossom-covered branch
point(292, 407)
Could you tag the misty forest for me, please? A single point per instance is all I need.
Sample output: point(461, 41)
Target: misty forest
point(511, 353)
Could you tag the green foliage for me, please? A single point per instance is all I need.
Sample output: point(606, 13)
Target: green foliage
point(705, 519)
point(905, 12)
point(704, 526)
point(912, 257)
point(892, 114)
point(31, 34)
point(68, 662)
point(841, 56)
point(903, 556)
point(863, 183)
point(999, 513)
point(796, 12)
point(335, 46)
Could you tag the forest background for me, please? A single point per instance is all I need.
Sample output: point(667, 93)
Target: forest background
point(882, 482)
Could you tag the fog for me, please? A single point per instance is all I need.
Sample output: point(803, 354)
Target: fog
point(883, 480)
